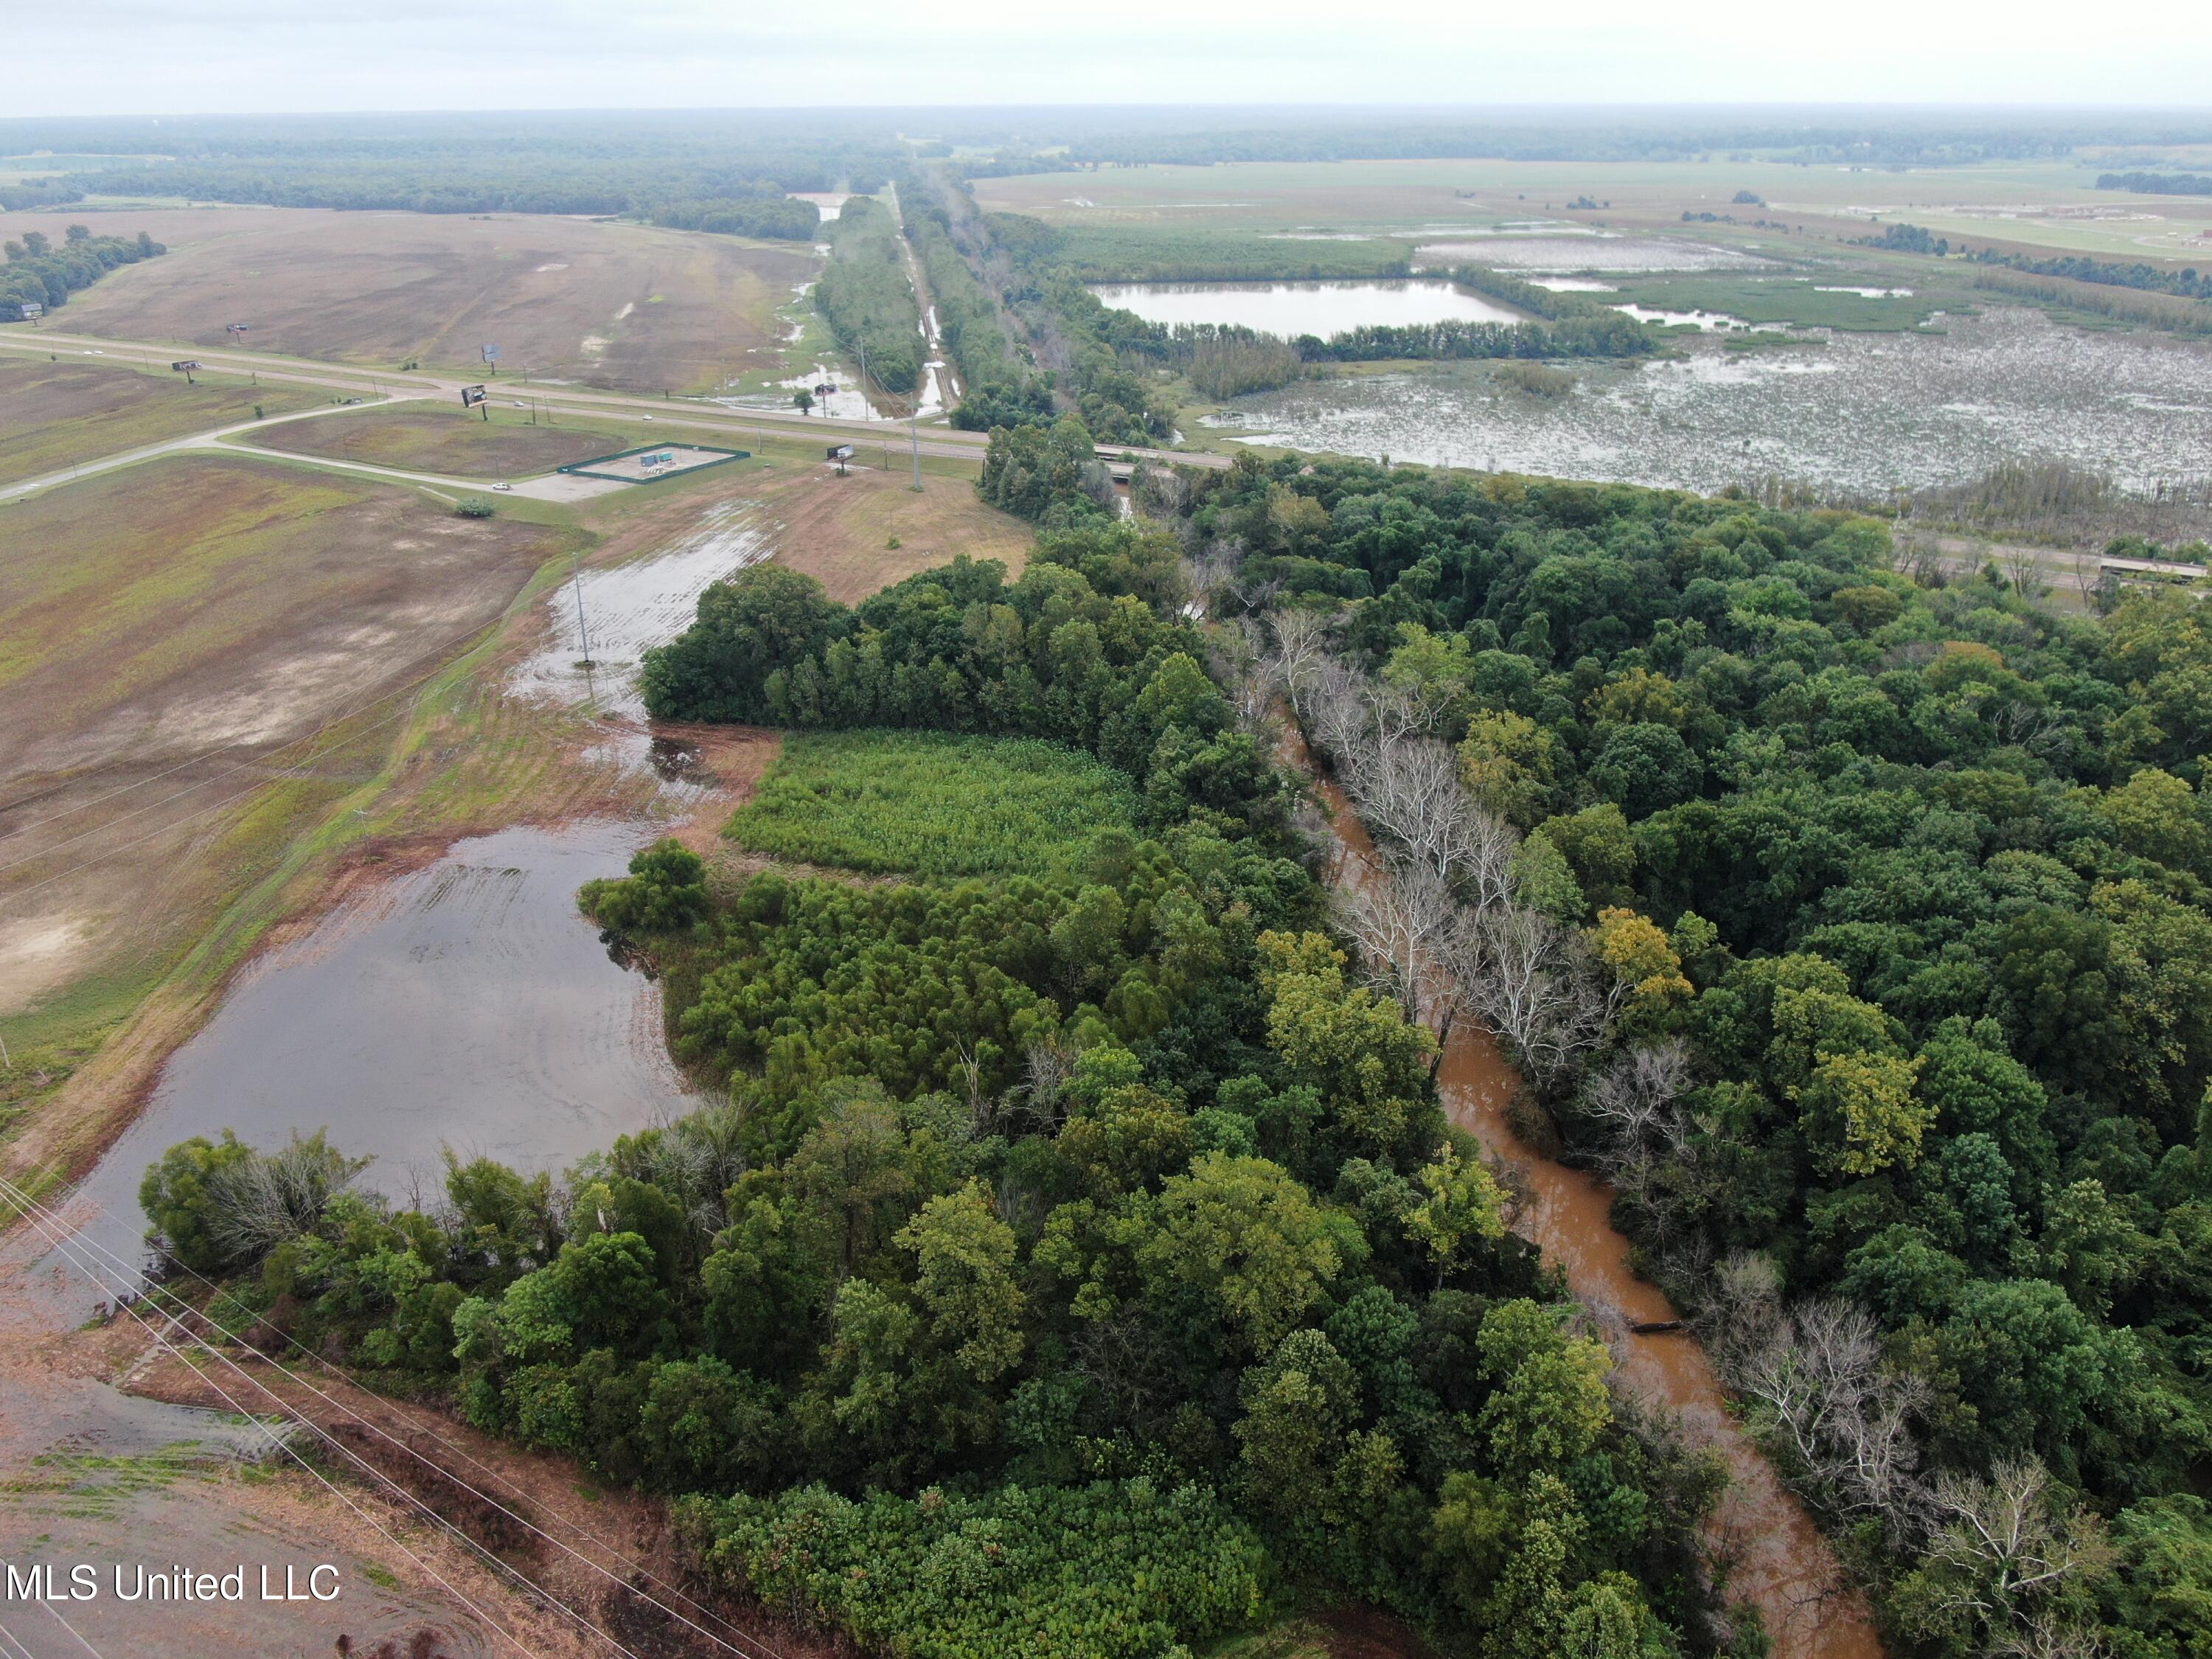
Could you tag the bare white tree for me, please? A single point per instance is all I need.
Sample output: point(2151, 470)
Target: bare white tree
point(1817, 1373)
point(268, 1198)
point(1334, 709)
point(1410, 791)
point(1399, 917)
point(1638, 1100)
point(1240, 663)
point(1212, 569)
point(1535, 982)
point(2014, 1546)
point(1301, 647)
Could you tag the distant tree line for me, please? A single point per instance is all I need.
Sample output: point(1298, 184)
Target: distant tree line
point(645, 164)
point(2158, 184)
point(1907, 239)
point(1613, 334)
point(2187, 283)
point(1202, 137)
point(39, 273)
point(763, 210)
point(866, 298)
point(999, 388)
point(37, 193)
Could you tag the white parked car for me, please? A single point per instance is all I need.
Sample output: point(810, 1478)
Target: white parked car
point(503, 486)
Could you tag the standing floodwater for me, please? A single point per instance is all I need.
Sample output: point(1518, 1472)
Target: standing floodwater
point(469, 1004)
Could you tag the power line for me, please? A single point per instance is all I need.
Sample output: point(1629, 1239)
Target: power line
point(7, 1188)
point(30, 1212)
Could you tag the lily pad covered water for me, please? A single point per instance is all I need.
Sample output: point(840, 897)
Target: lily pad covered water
point(1858, 413)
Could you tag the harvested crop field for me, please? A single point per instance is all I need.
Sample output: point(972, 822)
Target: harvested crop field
point(441, 441)
point(173, 639)
point(840, 530)
point(628, 306)
point(53, 415)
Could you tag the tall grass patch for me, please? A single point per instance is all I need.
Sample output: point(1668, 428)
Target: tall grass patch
point(932, 804)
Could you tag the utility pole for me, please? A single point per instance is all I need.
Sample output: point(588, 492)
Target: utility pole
point(914, 439)
point(576, 571)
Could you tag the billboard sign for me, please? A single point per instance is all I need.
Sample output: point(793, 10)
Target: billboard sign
point(33, 310)
point(472, 395)
point(185, 368)
point(491, 354)
point(841, 452)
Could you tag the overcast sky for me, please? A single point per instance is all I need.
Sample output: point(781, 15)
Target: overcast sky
point(146, 56)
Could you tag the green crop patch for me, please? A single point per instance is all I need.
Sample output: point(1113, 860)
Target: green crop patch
point(933, 804)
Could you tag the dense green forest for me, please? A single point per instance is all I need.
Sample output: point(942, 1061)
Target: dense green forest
point(1909, 1102)
point(1082, 1264)
point(865, 294)
point(37, 193)
point(39, 270)
point(1084, 1253)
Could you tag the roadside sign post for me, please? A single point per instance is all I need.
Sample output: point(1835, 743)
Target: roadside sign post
point(491, 357)
point(475, 397)
point(841, 454)
point(185, 370)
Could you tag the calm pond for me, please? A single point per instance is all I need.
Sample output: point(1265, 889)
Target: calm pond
point(1293, 308)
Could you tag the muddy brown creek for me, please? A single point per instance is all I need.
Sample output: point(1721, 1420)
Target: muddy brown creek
point(1779, 1562)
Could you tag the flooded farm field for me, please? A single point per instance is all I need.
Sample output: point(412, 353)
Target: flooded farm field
point(469, 1004)
point(628, 607)
point(1293, 308)
point(1852, 413)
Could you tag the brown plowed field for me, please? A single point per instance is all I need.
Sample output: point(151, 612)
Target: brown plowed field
point(627, 307)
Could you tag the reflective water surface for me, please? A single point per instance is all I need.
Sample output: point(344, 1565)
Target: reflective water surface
point(1293, 308)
